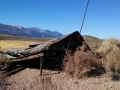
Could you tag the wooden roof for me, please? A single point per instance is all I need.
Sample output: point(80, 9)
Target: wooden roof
point(57, 43)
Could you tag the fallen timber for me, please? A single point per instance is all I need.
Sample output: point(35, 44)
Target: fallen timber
point(27, 57)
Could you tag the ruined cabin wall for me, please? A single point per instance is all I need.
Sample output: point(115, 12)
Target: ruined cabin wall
point(64, 47)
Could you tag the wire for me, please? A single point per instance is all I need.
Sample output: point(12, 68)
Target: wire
point(84, 16)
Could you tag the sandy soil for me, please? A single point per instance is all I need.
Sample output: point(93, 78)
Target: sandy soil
point(29, 79)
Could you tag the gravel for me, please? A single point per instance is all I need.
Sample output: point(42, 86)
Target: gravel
point(29, 79)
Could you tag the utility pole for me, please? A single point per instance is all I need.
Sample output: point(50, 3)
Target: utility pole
point(84, 16)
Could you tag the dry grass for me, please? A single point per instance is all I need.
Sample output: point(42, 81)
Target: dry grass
point(42, 83)
point(9, 41)
point(110, 49)
point(6, 44)
point(46, 83)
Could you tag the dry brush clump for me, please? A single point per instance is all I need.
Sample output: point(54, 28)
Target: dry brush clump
point(108, 45)
point(82, 64)
point(47, 84)
point(3, 60)
point(110, 49)
point(43, 83)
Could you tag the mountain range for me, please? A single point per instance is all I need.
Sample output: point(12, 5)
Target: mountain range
point(31, 31)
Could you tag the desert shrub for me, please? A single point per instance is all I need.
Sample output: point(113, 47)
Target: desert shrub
point(110, 49)
point(74, 69)
point(81, 65)
point(108, 45)
point(3, 60)
point(113, 61)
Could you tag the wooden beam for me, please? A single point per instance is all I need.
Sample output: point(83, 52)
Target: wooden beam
point(27, 57)
point(56, 48)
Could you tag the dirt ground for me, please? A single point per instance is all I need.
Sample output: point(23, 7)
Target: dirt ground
point(29, 79)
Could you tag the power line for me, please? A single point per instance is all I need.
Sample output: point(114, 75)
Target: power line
point(84, 16)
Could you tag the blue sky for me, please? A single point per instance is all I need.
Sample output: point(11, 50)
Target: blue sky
point(65, 16)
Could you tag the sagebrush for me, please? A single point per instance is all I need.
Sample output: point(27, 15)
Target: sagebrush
point(81, 64)
point(110, 50)
point(108, 45)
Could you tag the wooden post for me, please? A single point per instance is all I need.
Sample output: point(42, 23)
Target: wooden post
point(58, 64)
point(41, 61)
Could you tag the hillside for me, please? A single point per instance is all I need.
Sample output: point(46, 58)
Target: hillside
point(21, 38)
point(31, 31)
point(91, 41)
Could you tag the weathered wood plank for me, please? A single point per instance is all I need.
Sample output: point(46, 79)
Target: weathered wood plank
point(27, 58)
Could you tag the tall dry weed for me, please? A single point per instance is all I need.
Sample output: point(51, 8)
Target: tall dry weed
point(110, 49)
point(46, 83)
point(43, 83)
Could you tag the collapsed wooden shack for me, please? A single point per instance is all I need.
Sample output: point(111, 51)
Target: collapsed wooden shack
point(53, 52)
